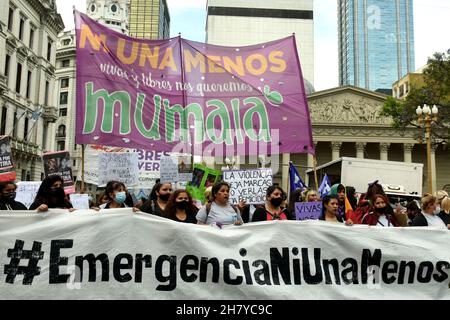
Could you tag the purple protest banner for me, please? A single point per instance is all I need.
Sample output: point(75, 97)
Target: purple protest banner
point(176, 95)
point(308, 210)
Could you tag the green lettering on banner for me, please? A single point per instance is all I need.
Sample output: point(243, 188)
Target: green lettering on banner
point(260, 109)
point(221, 112)
point(153, 132)
point(109, 100)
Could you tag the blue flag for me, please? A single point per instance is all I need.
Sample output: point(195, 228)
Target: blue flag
point(295, 179)
point(325, 186)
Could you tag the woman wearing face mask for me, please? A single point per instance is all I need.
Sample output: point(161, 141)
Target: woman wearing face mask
point(330, 206)
point(116, 195)
point(429, 216)
point(272, 209)
point(51, 195)
point(181, 208)
point(158, 199)
point(379, 215)
point(7, 197)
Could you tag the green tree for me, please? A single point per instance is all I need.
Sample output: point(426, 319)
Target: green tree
point(436, 91)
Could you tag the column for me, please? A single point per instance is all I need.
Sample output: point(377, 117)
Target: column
point(335, 148)
point(285, 171)
point(360, 147)
point(433, 166)
point(9, 119)
point(384, 147)
point(407, 148)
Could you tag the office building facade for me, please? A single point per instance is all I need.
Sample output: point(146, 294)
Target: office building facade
point(149, 19)
point(376, 42)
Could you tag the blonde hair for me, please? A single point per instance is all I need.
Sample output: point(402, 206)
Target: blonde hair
point(207, 194)
point(440, 194)
point(427, 200)
point(311, 192)
point(445, 204)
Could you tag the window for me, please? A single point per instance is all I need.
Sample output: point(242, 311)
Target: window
point(31, 37)
point(24, 175)
point(25, 129)
point(65, 63)
point(7, 65)
point(74, 163)
point(14, 134)
point(3, 123)
point(49, 48)
point(114, 8)
point(28, 84)
point(66, 42)
point(10, 19)
point(63, 98)
point(61, 145)
point(62, 131)
point(18, 77)
point(63, 112)
point(93, 8)
point(47, 88)
point(21, 27)
point(64, 82)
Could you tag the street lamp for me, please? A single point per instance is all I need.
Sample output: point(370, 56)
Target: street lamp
point(427, 115)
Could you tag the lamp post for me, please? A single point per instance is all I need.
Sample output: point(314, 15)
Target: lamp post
point(427, 115)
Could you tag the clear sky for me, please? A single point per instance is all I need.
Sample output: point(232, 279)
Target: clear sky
point(188, 17)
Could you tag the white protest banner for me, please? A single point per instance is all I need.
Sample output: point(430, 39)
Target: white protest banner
point(79, 200)
point(148, 164)
point(249, 185)
point(26, 191)
point(79, 255)
point(119, 166)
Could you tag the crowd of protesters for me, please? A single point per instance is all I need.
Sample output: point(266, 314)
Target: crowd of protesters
point(340, 205)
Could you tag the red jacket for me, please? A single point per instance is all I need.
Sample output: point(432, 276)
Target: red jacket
point(371, 219)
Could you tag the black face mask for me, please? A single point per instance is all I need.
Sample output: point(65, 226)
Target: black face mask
point(276, 202)
point(182, 204)
point(9, 197)
point(380, 210)
point(58, 193)
point(164, 197)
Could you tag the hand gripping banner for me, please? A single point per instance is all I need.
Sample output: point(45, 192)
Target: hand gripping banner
point(176, 95)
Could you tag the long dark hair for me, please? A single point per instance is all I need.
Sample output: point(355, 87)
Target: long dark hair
point(216, 187)
point(171, 209)
point(112, 186)
point(44, 194)
point(326, 200)
point(153, 196)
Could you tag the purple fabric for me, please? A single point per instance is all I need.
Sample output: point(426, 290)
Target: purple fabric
point(234, 98)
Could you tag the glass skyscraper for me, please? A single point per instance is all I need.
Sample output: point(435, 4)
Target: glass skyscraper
point(376, 42)
point(149, 19)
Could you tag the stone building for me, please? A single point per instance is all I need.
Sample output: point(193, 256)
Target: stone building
point(28, 37)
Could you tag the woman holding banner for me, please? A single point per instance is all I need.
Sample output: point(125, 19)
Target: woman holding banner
point(380, 215)
point(272, 209)
point(180, 207)
point(219, 211)
point(7, 197)
point(158, 199)
point(330, 206)
point(51, 195)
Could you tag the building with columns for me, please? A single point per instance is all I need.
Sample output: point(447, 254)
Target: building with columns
point(347, 122)
point(28, 37)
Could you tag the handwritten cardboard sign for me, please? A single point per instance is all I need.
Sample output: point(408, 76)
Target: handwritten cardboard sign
point(249, 185)
point(308, 210)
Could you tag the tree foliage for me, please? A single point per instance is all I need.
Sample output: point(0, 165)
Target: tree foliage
point(436, 91)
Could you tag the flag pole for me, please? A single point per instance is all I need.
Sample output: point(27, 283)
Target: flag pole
point(315, 171)
point(82, 168)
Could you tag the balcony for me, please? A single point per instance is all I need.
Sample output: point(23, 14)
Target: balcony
point(20, 146)
point(50, 114)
